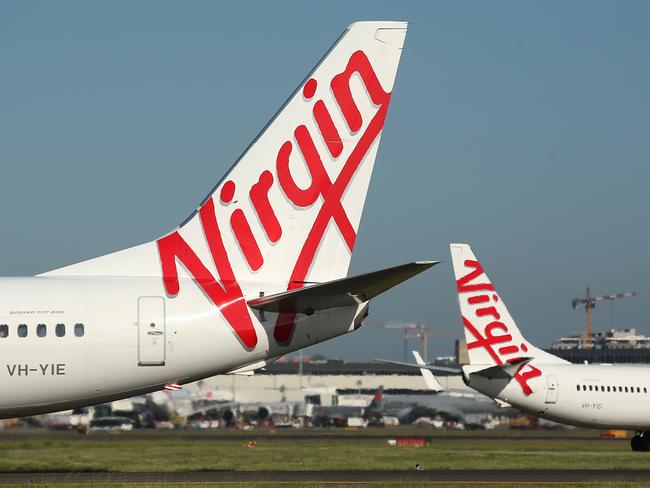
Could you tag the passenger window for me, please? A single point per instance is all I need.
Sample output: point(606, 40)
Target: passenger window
point(620, 389)
point(626, 389)
point(590, 387)
point(41, 330)
point(60, 330)
point(4, 330)
point(602, 388)
point(608, 389)
point(22, 330)
point(578, 387)
point(584, 387)
point(645, 390)
point(79, 330)
point(638, 390)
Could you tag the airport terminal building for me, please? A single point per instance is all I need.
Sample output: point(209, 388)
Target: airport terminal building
point(291, 381)
point(611, 346)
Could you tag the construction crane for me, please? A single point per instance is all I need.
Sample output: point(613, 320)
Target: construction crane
point(412, 331)
point(589, 303)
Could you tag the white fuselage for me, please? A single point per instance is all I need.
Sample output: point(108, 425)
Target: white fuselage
point(594, 396)
point(135, 340)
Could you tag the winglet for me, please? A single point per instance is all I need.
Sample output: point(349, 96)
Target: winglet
point(432, 383)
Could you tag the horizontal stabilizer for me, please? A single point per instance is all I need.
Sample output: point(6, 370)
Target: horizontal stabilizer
point(339, 293)
point(249, 369)
point(503, 371)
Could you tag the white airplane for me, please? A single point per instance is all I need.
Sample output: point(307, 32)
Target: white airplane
point(227, 290)
point(451, 402)
point(508, 368)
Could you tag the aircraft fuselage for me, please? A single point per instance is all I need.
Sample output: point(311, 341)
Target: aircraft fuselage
point(593, 396)
point(90, 340)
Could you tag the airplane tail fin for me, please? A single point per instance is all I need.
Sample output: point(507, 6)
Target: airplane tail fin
point(377, 402)
point(288, 210)
point(492, 336)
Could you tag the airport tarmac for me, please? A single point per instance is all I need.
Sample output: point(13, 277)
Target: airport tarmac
point(292, 435)
point(252, 477)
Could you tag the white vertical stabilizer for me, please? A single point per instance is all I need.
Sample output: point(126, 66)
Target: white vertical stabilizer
point(288, 210)
point(492, 335)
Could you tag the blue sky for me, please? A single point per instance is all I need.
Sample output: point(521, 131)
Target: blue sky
point(520, 127)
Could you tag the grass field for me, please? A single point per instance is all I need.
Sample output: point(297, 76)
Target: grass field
point(282, 452)
point(175, 455)
point(330, 450)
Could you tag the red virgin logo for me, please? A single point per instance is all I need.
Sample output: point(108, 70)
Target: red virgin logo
point(491, 335)
point(224, 291)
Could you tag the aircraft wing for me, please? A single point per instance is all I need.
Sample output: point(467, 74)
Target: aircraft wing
point(430, 367)
point(339, 293)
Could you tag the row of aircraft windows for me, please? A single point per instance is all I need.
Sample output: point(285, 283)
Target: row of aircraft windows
point(41, 330)
point(622, 389)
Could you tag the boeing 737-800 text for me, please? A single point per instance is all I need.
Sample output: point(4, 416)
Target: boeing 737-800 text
point(257, 271)
point(505, 366)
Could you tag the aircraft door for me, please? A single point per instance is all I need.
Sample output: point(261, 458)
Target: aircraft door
point(551, 389)
point(151, 331)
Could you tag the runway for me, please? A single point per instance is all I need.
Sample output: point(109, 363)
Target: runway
point(294, 435)
point(357, 477)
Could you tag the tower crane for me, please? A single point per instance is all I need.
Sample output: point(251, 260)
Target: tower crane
point(589, 303)
point(413, 330)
